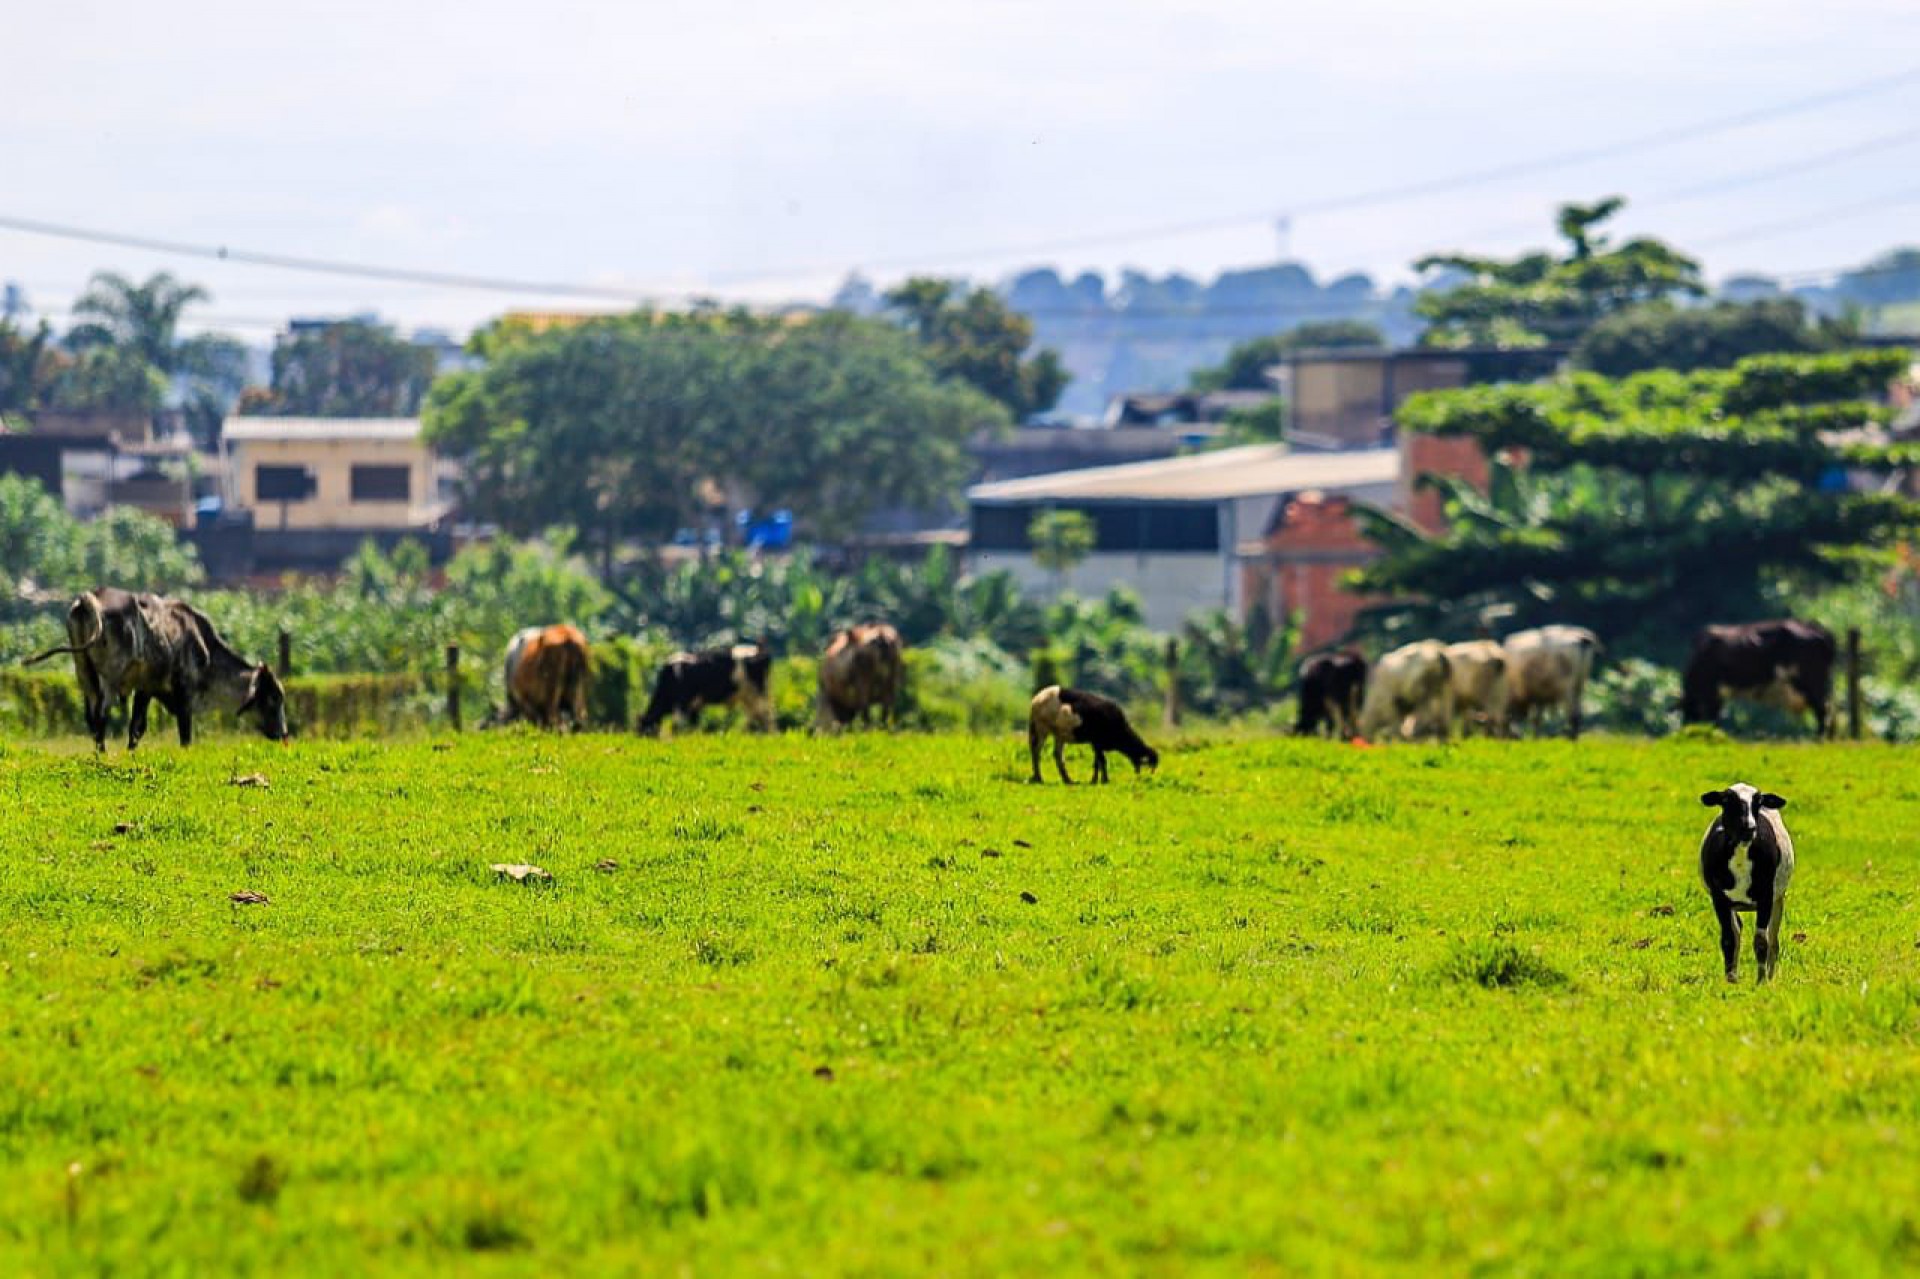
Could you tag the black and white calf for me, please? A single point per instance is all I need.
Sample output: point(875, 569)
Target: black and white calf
point(1746, 860)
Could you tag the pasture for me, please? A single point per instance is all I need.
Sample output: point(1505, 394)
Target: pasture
point(874, 1005)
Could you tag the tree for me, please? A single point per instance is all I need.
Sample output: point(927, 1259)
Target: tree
point(28, 364)
point(124, 325)
point(1538, 299)
point(107, 379)
point(44, 549)
point(635, 426)
point(141, 318)
point(1061, 540)
point(1647, 506)
point(1246, 365)
point(976, 337)
point(349, 369)
point(1659, 335)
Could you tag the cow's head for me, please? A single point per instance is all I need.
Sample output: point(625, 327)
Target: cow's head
point(1145, 757)
point(1740, 806)
point(266, 702)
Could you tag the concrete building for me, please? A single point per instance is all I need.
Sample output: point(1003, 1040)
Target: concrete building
point(1344, 398)
point(1260, 526)
point(315, 488)
point(1172, 530)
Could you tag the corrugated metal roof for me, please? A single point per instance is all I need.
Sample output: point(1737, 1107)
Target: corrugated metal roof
point(241, 429)
point(1251, 471)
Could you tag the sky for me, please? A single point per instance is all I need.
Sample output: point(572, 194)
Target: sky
point(761, 151)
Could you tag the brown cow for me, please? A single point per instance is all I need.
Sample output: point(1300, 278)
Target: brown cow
point(159, 648)
point(863, 669)
point(547, 670)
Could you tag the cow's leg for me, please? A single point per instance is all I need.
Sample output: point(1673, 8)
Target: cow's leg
point(1033, 748)
point(137, 722)
point(1766, 937)
point(1573, 715)
point(1060, 759)
point(1729, 935)
point(97, 720)
point(1099, 766)
point(1819, 703)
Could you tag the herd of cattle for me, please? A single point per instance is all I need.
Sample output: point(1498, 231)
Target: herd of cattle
point(149, 648)
point(1431, 688)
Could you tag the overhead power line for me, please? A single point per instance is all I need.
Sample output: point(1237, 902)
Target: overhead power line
point(324, 266)
point(1358, 199)
point(1380, 195)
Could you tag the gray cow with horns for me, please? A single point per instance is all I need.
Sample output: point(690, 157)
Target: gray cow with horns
point(154, 647)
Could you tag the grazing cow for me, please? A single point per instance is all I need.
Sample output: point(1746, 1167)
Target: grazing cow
point(1785, 663)
point(1477, 675)
point(155, 647)
point(863, 669)
point(1746, 860)
point(1409, 689)
point(691, 682)
point(547, 672)
point(1072, 717)
point(1331, 686)
point(1548, 667)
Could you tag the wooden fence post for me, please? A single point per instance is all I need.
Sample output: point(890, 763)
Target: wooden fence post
point(1853, 683)
point(1172, 713)
point(453, 686)
point(286, 653)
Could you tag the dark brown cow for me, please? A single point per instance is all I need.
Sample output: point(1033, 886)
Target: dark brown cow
point(155, 647)
point(864, 668)
point(1331, 686)
point(1785, 663)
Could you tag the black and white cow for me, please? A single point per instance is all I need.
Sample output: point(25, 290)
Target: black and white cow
point(1331, 686)
point(1786, 663)
point(1746, 860)
point(161, 649)
point(690, 682)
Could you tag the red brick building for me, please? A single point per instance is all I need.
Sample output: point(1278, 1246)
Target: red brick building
point(1314, 541)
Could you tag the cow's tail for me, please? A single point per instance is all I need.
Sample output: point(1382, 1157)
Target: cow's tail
point(83, 619)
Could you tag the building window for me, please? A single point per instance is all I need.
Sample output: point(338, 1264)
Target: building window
point(1118, 527)
point(381, 483)
point(282, 483)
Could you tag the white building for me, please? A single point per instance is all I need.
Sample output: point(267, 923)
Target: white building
point(1169, 529)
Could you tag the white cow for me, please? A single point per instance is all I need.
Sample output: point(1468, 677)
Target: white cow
point(1548, 667)
point(1478, 674)
point(1409, 691)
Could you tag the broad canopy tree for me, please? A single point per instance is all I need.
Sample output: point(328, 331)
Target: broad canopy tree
point(1646, 506)
point(349, 369)
point(637, 425)
point(975, 336)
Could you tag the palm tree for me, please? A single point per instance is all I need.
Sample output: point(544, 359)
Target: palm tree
point(114, 311)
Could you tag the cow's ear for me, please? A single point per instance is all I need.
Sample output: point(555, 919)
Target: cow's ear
point(1771, 800)
point(253, 691)
point(1714, 798)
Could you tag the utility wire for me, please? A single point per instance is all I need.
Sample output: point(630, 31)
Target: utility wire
point(1353, 200)
point(326, 266)
point(1392, 194)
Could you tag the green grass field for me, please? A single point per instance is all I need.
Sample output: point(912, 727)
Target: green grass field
point(873, 1005)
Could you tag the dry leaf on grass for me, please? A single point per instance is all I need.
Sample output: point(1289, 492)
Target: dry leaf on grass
point(1028, 897)
point(247, 897)
point(520, 872)
point(251, 779)
point(606, 865)
point(122, 828)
